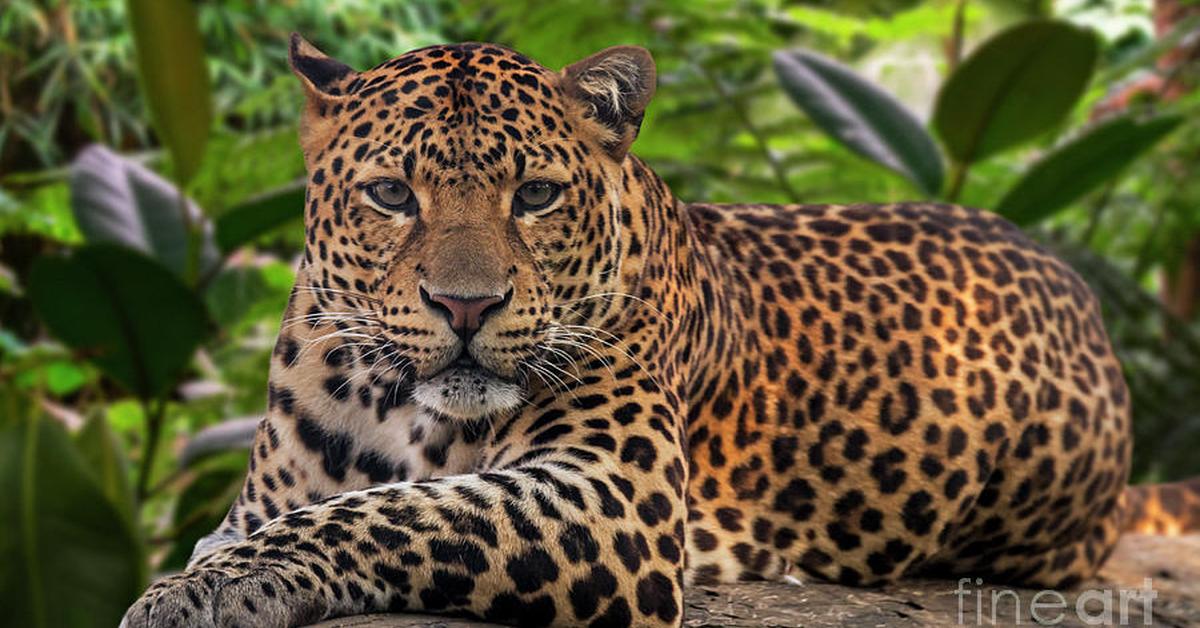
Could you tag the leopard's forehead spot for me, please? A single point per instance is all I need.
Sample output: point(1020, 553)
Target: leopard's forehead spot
point(461, 106)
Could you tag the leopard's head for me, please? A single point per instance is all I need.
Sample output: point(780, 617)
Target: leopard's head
point(463, 204)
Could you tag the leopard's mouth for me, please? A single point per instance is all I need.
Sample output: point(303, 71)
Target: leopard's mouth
point(465, 389)
point(465, 365)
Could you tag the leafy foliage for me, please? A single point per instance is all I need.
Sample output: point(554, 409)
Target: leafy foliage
point(863, 117)
point(64, 539)
point(1079, 166)
point(120, 201)
point(1015, 86)
point(170, 56)
point(130, 316)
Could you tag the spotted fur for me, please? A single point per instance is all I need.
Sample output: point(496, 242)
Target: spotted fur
point(661, 393)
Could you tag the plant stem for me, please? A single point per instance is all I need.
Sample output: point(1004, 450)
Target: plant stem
point(954, 55)
point(192, 261)
point(958, 177)
point(164, 483)
point(154, 421)
point(1145, 256)
point(760, 141)
point(1098, 209)
point(28, 517)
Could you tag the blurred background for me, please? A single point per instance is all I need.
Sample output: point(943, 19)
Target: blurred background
point(151, 190)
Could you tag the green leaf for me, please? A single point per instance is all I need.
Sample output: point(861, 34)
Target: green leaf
point(861, 116)
point(202, 507)
point(59, 377)
point(170, 57)
point(1079, 166)
point(1015, 86)
point(105, 458)
point(118, 200)
point(67, 556)
point(259, 215)
point(234, 292)
point(228, 435)
point(130, 315)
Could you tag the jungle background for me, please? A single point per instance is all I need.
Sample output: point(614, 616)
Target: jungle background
point(151, 190)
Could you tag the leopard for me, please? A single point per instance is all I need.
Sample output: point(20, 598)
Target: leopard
point(518, 380)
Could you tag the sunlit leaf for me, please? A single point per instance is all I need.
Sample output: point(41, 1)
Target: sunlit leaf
point(122, 310)
point(170, 56)
point(1015, 86)
point(58, 377)
point(67, 555)
point(1081, 165)
point(860, 115)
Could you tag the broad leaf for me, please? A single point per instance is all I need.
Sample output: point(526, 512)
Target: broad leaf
point(259, 215)
point(203, 505)
point(228, 435)
point(170, 59)
point(1081, 165)
point(130, 315)
point(67, 556)
point(105, 457)
point(233, 293)
point(1015, 86)
point(117, 200)
point(861, 116)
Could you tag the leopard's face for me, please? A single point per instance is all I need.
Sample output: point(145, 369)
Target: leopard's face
point(461, 199)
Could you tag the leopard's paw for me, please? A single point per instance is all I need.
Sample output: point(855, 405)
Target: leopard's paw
point(211, 597)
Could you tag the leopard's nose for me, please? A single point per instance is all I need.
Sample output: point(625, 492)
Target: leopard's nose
point(465, 313)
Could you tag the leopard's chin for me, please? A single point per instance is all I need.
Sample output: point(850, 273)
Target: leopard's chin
point(467, 393)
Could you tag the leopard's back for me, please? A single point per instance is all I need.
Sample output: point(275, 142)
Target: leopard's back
point(910, 388)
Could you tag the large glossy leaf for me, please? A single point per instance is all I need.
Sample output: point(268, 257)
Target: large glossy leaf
point(104, 456)
point(67, 556)
point(1015, 86)
point(130, 315)
point(118, 200)
point(229, 435)
point(861, 116)
point(1081, 165)
point(202, 506)
point(170, 59)
point(257, 216)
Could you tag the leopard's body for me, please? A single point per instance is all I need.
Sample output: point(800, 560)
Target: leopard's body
point(661, 393)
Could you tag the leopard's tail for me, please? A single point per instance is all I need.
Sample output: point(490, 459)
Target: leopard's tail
point(1162, 509)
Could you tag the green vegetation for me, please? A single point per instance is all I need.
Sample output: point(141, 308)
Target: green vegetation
point(151, 188)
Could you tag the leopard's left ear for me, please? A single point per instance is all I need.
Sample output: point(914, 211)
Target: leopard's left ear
point(615, 85)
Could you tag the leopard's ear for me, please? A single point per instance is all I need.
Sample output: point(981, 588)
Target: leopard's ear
point(615, 85)
point(322, 75)
point(325, 82)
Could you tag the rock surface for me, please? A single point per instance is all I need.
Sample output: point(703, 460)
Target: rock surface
point(1171, 564)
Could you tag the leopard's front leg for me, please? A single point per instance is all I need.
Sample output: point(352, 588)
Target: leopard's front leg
point(580, 522)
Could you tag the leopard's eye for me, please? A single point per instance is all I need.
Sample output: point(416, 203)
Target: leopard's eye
point(391, 196)
point(534, 196)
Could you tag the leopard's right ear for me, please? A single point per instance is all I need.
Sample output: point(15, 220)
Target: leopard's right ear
point(325, 82)
point(322, 75)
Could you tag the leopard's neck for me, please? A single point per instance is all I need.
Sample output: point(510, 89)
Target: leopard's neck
point(678, 275)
